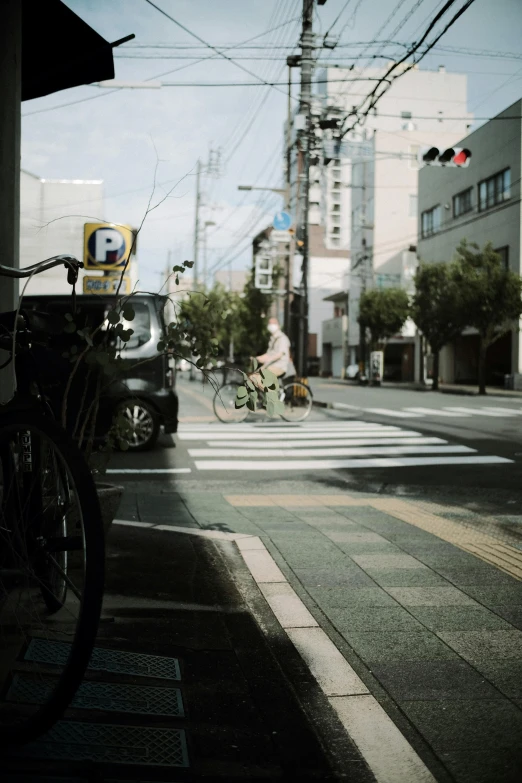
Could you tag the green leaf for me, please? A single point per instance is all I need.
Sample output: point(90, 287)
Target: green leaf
point(126, 334)
point(69, 327)
point(241, 392)
point(113, 317)
point(188, 264)
point(128, 312)
point(160, 346)
point(269, 379)
point(270, 408)
point(68, 317)
point(178, 268)
point(255, 363)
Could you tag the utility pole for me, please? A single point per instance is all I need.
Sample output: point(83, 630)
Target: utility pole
point(196, 224)
point(305, 110)
point(292, 61)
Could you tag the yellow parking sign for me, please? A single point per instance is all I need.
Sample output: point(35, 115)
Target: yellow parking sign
point(106, 246)
point(105, 285)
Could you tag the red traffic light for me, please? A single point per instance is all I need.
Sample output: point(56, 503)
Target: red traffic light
point(461, 157)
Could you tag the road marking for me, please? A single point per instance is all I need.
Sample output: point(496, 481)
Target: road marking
point(398, 439)
point(352, 464)
point(504, 411)
point(435, 412)
point(371, 432)
point(149, 470)
point(398, 414)
point(332, 452)
point(475, 412)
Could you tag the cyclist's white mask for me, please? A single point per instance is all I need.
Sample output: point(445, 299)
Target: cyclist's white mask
point(273, 328)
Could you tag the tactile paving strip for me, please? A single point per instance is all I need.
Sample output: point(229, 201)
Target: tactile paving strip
point(105, 660)
point(110, 744)
point(110, 697)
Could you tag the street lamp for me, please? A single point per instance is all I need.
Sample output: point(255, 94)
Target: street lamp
point(281, 191)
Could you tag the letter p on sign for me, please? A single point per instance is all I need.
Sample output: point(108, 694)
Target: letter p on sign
point(106, 246)
point(107, 242)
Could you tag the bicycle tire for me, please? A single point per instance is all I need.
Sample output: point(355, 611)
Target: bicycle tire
point(224, 404)
point(36, 720)
point(300, 404)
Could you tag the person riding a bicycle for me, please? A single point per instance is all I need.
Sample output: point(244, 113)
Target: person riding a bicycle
point(277, 357)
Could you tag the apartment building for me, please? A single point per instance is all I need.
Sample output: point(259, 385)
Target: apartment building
point(368, 193)
point(480, 203)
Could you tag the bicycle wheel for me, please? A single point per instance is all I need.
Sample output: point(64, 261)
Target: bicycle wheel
point(297, 399)
point(51, 573)
point(224, 404)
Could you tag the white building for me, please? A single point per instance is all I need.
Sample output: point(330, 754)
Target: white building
point(368, 195)
point(53, 213)
point(480, 203)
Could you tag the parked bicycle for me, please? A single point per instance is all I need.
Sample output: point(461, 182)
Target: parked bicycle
point(295, 395)
point(51, 543)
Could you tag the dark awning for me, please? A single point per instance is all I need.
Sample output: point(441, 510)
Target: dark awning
point(60, 50)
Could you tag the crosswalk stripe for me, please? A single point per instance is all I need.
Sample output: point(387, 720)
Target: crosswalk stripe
point(474, 412)
point(354, 464)
point(302, 435)
point(361, 451)
point(505, 411)
point(398, 414)
point(285, 444)
point(435, 412)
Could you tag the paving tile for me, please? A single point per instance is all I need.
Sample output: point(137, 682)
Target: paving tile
point(403, 577)
point(372, 618)
point(442, 557)
point(485, 645)
point(513, 614)
point(505, 675)
point(458, 618)
point(474, 724)
point(356, 537)
point(405, 646)
point(496, 595)
point(481, 574)
point(430, 596)
point(483, 766)
point(387, 561)
point(384, 548)
point(350, 597)
point(433, 680)
point(306, 557)
point(345, 573)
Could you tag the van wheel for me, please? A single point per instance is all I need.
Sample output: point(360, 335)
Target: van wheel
point(144, 422)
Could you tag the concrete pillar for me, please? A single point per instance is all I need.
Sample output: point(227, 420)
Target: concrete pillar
point(10, 101)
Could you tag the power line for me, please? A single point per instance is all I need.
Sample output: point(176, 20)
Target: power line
point(209, 45)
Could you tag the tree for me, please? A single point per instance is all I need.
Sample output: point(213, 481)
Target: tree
point(490, 297)
point(383, 311)
point(436, 308)
point(250, 335)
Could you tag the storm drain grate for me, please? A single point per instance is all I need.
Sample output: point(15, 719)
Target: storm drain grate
point(111, 697)
point(115, 661)
point(110, 744)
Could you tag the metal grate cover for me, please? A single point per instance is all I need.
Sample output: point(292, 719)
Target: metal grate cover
point(110, 744)
point(105, 660)
point(111, 697)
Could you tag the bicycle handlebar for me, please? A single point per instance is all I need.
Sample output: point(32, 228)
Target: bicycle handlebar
point(68, 261)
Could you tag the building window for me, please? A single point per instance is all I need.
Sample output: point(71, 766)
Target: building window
point(430, 221)
point(335, 241)
point(462, 203)
point(495, 189)
point(336, 230)
point(336, 220)
point(336, 185)
point(406, 115)
point(336, 207)
point(503, 252)
point(412, 210)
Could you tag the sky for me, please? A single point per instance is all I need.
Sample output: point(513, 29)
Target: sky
point(144, 143)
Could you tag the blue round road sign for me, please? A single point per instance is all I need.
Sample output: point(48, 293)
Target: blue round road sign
point(282, 221)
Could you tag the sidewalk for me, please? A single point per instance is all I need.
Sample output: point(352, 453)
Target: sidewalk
point(386, 631)
point(444, 388)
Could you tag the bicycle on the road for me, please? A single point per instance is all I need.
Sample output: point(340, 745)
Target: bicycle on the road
point(296, 397)
point(51, 543)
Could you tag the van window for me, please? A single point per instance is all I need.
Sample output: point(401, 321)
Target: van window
point(140, 325)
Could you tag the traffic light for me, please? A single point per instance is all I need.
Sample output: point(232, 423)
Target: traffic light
point(456, 157)
point(263, 271)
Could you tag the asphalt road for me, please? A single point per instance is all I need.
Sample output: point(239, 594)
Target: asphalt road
point(393, 439)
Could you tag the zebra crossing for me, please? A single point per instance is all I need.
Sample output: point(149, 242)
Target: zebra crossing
point(449, 412)
point(318, 445)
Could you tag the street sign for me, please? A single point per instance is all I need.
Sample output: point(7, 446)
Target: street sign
point(281, 236)
point(282, 221)
point(105, 285)
point(106, 246)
